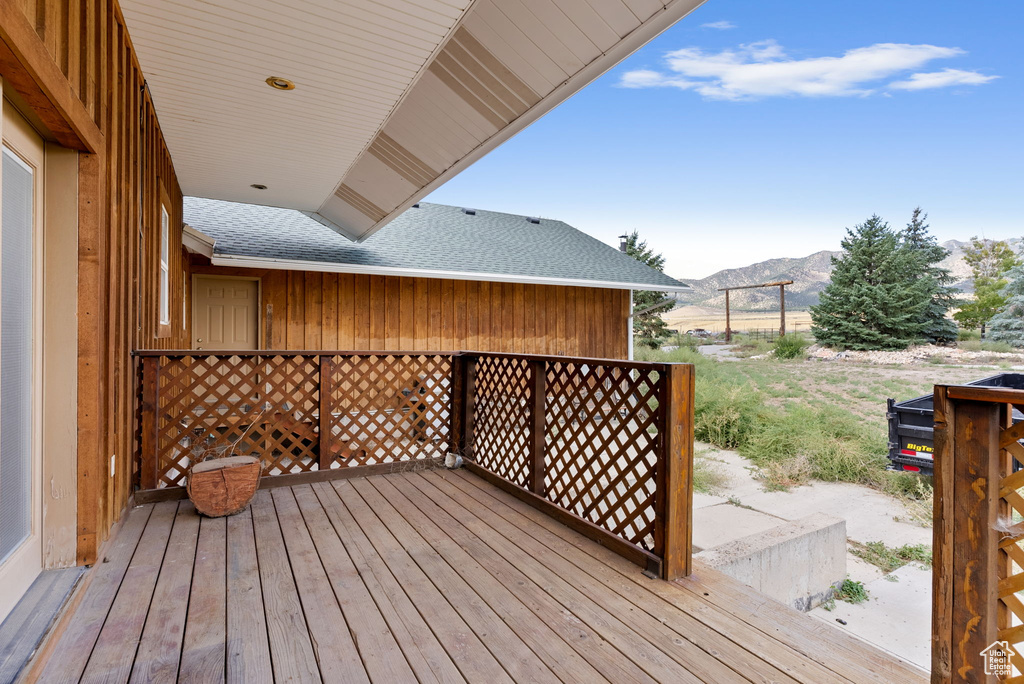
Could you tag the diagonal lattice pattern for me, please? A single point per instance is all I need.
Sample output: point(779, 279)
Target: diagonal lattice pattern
point(1011, 547)
point(501, 406)
point(380, 409)
point(210, 406)
point(601, 440)
point(388, 408)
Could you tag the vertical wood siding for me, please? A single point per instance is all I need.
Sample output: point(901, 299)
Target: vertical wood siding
point(308, 310)
point(120, 189)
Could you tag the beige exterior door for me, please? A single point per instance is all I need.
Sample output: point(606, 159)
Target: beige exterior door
point(225, 313)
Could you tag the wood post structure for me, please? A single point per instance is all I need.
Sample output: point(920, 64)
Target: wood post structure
point(781, 284)
point(978, 543)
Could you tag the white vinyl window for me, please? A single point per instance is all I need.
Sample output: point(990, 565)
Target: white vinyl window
point(165, 267)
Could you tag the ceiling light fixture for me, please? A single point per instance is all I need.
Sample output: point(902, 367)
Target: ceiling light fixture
point(280, 83)
point(258, 186)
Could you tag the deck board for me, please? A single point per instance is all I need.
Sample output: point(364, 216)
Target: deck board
point(203, 652)
point(432, 576)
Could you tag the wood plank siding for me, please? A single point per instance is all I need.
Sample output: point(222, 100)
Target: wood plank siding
point(311, 310)
point(73, 65)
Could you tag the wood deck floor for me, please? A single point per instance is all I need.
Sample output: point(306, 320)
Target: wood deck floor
point(420, 576)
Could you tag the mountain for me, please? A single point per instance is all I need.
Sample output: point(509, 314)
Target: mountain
point(809, 274)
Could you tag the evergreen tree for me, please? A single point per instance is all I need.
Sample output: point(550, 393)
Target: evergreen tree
point(877, 298)
point(989, 261)
point(1008, 325)
point(648, 328)
point(938, 327)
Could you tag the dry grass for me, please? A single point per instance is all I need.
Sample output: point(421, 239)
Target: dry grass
point(690, 317)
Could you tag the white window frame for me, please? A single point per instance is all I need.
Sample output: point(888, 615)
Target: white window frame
point(164, 305)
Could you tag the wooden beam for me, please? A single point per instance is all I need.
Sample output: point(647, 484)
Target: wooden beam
point(148, 496)
point(728, 329)
point(782, 310)
point(942, 541)
point(26, 64)
point(751, 287)
point(537, 445)
point(675, 485)
point(92, 338)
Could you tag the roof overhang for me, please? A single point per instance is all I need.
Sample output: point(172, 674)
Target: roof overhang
point(391, 99)
point(335, 267)
point(197, 242)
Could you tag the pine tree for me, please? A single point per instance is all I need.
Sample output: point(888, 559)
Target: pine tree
point(876, 298)
point(938, 327)
point(989, 261)
point(648, 328)
point(1008, 325)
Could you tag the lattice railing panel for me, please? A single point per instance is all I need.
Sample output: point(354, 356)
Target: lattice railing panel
point(1010, 569)
point(379, 409)
point(601, 441)
point(389, 408)
point(501, 405)
point(212, 406)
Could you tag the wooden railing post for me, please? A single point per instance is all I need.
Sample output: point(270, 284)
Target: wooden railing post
point(537, 446)
point(965, 555)
point(461, 419)
point(325, 457)
point(674, 499)
point(149, 438)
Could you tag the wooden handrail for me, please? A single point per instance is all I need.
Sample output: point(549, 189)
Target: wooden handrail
point(977, 554)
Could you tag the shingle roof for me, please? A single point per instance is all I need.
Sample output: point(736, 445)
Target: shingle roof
point(435, 239)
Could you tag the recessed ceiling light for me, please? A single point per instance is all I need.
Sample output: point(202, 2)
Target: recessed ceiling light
point(258, 186)
point(280, 83)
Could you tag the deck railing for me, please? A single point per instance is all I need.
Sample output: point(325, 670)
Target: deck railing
point(978, 554)
point(605, 446)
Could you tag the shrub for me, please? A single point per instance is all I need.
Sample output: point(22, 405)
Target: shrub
point(725, 414)
point(790, 347)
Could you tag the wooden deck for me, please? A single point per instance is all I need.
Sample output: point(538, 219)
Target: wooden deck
point(420, 576)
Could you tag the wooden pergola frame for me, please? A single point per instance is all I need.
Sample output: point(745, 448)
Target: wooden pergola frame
point(781, 284)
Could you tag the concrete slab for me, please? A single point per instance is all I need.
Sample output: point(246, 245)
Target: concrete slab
point(896, 617)
point(722, 523)
point(796, 563)
point(860, 570)
point(705, 500)
point(870, 515)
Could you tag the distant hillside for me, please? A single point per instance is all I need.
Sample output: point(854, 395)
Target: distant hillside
point(809, 274)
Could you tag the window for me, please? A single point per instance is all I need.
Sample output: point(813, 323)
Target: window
point(165, 266)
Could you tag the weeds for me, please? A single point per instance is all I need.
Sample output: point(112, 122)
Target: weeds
point(850, 591)
point(708, 476)
point(887, 558)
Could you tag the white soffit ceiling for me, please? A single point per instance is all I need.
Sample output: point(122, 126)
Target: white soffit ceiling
point(391, 98)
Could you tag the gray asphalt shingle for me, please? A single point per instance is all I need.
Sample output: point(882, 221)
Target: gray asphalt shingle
point(431, 237)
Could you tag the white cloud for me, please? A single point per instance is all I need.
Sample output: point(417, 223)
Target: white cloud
point(942, 79)
point(720, 25)
point(763, 69)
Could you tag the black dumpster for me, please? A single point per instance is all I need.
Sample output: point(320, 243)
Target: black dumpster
point(911, 436)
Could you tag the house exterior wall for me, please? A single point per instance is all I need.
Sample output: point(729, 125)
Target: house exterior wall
point(75, 73)
point(312, 310)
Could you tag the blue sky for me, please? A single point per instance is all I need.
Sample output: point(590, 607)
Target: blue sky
point(737, 142)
